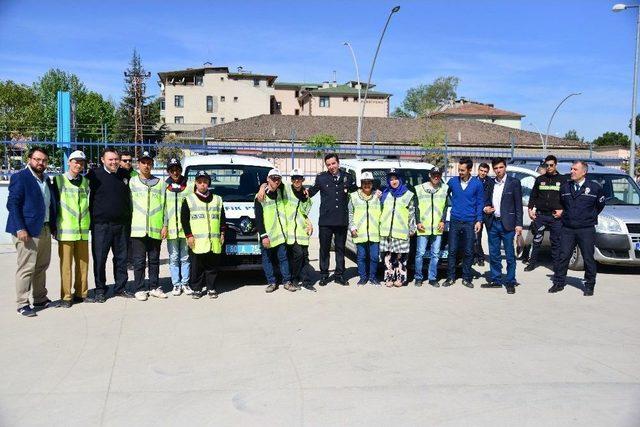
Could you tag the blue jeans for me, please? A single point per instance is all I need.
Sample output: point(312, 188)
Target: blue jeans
point(179, 264)
point(434, 254)
point(271, 256)
point(461, 233)
point(373, 249)
point(499, 237)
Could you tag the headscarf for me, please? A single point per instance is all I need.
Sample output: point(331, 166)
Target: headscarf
point(395, 192)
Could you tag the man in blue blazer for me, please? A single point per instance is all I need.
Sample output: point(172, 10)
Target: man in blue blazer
point(503, 218)
point(32, 220)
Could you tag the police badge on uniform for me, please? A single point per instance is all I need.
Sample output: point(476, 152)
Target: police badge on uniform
point(126, 181)
point(587, 190)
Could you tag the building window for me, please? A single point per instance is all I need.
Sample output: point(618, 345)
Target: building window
point(324, 101)
point(178, 101)
point(235, 119)
point(178, 119)
point(297, 112)
point(235, 99)
point(209, 104)
point(214, 120)
point(162, 104)
point(221, 119)
point(256, 82)
point(222, 99)
point(198, 80)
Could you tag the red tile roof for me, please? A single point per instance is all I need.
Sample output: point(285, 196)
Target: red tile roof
point(475, 110)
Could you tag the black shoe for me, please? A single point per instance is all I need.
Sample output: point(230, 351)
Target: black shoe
point(511, 289)
point(309, 287)
point(468, 284)
point(212, 294)
point(78, 300)
point(324, 280)
point(448, 283)
point(555, 288)
point(434, 283)
point(491, 285)
point(362, 282)
point(530, 267)
point(124, 294)
point(588, 292)
point(340, 280)
point(27, 311)
point(375, 282)
point(272, 287)
point(99, 298)
point(65, 304)
point(44, 304)
point(196, 295)
point(418, 283)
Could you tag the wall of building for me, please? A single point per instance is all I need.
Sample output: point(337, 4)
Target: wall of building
point(511, 123)
point(251, 100)
point(288, 100)
point(338, 106)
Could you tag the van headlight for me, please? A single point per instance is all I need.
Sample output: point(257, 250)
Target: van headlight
point(608, 224)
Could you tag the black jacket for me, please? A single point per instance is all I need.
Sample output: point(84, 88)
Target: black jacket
point(545, 195)
point(581, 209)
point(109, 196)
point(510, 204)
point(334, 197)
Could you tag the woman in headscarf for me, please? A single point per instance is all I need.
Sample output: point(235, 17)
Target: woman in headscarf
point(397, 225)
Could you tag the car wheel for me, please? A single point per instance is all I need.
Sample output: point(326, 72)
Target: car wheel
point(576, 262)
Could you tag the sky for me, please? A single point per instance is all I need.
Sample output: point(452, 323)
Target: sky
point(523, 56)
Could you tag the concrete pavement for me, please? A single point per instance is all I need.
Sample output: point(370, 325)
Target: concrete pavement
point(341, 356)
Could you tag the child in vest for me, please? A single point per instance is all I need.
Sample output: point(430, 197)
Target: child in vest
point(397, 225)
point(271, 223)
point(431, 214)
point(202, 217)
point(176, 191)
point(364, 224)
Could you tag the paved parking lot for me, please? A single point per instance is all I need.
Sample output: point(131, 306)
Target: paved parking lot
point(341, 356)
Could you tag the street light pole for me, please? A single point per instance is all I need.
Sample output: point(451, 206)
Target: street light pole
point(359, 129)
point(539, 133)
point(632, 149)
point(546, 138)
point(373, 63)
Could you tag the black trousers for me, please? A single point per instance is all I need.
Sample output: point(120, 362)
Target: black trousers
point(478, 252)
point(585, 239)
point(204, 270)
point(299, 264)
point(143, 249)
point(325, 234)
point(541, 224)
point(107, 237)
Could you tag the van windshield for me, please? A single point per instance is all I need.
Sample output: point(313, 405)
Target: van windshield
point(412, 177)
point(618, 189)
point(234, 183)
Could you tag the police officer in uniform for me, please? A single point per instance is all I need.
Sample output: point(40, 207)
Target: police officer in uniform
point(334, 186)
point(545, 211)
point(582, 201)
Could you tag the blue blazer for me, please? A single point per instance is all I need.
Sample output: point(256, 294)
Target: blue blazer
point(510, 204)
point(26, 204)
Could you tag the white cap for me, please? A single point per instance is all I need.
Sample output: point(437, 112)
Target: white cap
point(296, 172)
point(274, 172)
point(366, 176)
point(78, 155)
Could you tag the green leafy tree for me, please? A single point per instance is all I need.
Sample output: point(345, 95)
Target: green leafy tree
point(572, 135)
point(321, 143)
point(432, 141)
point(612, 139)
point(93, 115)
point(19, 111)
point(168, 149)
point(424, 99)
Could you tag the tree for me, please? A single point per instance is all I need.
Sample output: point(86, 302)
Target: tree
point(612, 139)
point(19, 111)
point(432, 142)
point(94, 115)
point(168, 149)
point(572, 135)
point(423, 99)
point(320, 143)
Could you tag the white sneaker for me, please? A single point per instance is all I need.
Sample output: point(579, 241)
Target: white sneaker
point(187, 289)
point(177, 290)
point(158, 293)
point(141, 296)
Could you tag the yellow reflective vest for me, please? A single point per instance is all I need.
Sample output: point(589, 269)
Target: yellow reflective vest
point(296, 212)
point(172, 205)
point(204, 219)
point(431, 207)
point(148, 208)
point(394, 220)
point(366, 218)
point(73, 216)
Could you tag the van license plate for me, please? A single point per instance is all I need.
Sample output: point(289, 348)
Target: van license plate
point(638, 246)
point(246, 249)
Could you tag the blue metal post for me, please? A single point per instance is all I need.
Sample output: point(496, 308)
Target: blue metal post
point(64, 125)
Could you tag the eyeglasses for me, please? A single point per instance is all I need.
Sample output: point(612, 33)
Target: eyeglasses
point(549, 165)
point(41, 160)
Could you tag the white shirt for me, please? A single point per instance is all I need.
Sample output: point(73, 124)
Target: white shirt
point(579, 183)
point(464, 183)
point(498, 188)
point(46, 194)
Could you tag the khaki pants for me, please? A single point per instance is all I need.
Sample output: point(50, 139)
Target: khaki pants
point(33, 260)
point(73, 252)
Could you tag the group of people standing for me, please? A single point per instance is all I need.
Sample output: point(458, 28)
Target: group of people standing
point(129, 213)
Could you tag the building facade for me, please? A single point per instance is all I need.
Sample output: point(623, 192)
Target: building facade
point(463, 109)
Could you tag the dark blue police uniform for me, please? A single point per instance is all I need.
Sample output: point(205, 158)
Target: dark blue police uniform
point(582, 204)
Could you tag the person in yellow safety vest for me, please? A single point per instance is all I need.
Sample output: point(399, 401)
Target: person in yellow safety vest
point(431, 215)
point(147, 198)
point(364, 225)
point(299, 228)
point(203, 221)
point(397, 225)
point(271, 222)
point(176, 190)
point(73, 230)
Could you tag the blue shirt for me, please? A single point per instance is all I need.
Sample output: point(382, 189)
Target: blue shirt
point(466, 204)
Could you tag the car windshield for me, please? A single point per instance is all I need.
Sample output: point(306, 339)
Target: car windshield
point(618, 189)
point(234, 183)
point(412, 177)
